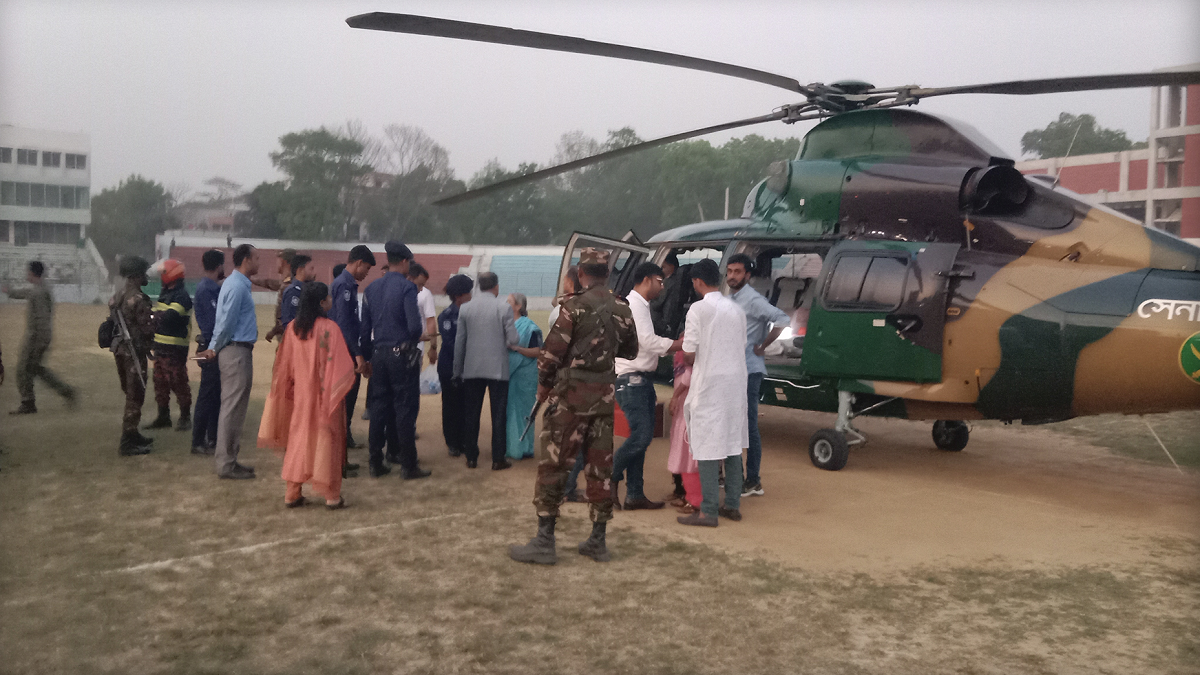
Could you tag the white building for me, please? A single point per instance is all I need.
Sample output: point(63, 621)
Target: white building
point(45, 209)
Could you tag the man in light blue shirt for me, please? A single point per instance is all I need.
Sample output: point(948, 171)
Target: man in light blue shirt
point(235, 331)
point(760, 314)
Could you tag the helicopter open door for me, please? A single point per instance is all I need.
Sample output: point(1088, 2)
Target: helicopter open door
point(626, 256)
point(880, 311)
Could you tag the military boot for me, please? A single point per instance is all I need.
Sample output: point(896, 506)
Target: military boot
point(163, 421)
point(540, 549)
point(594, 547)
point(185, 421)
point(130, 445)
point(142, 439)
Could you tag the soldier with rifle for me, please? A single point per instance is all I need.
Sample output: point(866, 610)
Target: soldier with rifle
point(131, 345)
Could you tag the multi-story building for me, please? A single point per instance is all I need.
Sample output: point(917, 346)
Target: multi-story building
point(1158, 185)
point(45, 208)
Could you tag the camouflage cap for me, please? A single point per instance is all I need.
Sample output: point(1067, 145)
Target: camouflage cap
point(594, 256)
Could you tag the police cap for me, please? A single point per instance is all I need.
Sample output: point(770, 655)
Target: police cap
point(134, 266)
point(397, 251)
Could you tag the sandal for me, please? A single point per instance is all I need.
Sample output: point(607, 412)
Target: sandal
point(341, 504)
point(678, 501)
point(687, 509)
point(298, 503)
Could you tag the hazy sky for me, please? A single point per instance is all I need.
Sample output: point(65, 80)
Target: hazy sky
point(182, 91)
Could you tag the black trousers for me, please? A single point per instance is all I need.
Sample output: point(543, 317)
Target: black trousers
point(497, 391)
point(392, 399)
point(351, 400)
point(452, 413)
point(208, 405)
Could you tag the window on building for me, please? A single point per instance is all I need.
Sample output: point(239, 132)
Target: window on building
point(5, 155)
point(82, 199)
point(8, 193)
point(28, 157)
point(5, 226)
point(67, 195)
point(37, 194)
point(51, 158)
point(22, 191)
point(53, 199)
point(76, 161)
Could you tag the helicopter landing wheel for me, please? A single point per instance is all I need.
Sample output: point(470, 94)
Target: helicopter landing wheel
point(950, 435)
point(828, 449)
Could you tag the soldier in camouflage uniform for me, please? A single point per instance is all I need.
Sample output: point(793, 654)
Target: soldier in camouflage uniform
point(576, 380)
point(131, 351)
point(40, 320)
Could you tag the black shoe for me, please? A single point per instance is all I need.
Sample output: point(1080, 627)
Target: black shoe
point(414, 473)
point(145, 440)
point(733, 514)
point(394, 460)
point(296, 504)
point(352, 444)
point(454, 452)
point(348, 472)
point(501, 465)
point(594, 546)
point(351, 466)
point(185, 423)
point(203, 450)
point(641, 504)
point(238, 472)
point(378, 470)
point(472, 463)
point(540, 550)
point(24, 409)
point(129, 445)
point(698, 518)
point(163, 421)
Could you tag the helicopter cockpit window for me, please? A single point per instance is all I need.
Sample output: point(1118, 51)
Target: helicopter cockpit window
point(867, 283)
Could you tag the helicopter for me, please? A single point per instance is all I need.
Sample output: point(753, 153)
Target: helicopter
point(926, 278)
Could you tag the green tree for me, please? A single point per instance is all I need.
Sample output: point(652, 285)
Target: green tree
point(1089, 138)
point(126, 218)
point(321, 195)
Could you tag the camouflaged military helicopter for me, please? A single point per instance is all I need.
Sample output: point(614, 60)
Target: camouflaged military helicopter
point(926, 277)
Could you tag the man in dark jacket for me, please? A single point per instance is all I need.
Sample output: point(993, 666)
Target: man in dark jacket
point(173, 323)
point(208, 399)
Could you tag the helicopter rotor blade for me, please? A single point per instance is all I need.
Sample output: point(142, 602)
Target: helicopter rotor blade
point(1065, 84)
point(478, 32)
point(791, 114)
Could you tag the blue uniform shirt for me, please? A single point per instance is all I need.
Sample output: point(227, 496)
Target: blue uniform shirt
point(759, 312)
point(291, 302)
point(448, 327)
point(390, 315)
point(204, 308)
point(235, 320)
point(344, 293)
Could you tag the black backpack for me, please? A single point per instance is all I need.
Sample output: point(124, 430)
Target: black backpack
point(106, 333)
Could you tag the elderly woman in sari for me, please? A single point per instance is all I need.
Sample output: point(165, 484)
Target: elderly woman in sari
point(522, 377)
point(305, 413)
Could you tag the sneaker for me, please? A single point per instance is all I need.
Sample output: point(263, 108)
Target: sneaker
point(752, 489)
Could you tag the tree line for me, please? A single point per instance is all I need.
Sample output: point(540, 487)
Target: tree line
point(347, 184)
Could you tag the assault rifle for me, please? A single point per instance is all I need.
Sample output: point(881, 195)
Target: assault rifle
point(127, 338)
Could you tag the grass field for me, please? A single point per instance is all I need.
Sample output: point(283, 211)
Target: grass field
point(151, 565)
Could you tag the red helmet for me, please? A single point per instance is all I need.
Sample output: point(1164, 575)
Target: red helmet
point(172, 270)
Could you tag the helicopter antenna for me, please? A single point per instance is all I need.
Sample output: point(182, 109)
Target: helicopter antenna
point(1069, 146)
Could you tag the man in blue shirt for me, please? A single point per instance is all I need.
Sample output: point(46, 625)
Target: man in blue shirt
point(303, 271)
point(235, 330)
point(344, 312)
point(208, 398)
point(391, 330)
point(458, 288)
point(759, 314)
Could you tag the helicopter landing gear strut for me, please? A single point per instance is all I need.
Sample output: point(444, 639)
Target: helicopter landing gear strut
point(829, 449)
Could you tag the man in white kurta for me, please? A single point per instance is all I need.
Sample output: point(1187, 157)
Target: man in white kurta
point(715, 413)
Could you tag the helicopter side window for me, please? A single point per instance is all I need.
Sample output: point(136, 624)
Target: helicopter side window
point(867, 282)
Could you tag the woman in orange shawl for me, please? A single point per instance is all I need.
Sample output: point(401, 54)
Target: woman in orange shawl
point(305, 415)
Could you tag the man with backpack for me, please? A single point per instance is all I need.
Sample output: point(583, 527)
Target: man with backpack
point(133, 336)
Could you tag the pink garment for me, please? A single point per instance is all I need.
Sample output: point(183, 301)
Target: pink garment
point(305, 414)
point(680, 460)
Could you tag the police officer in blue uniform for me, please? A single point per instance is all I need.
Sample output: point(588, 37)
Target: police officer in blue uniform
point(344, 312)
point(390, 333)
point(302, 273)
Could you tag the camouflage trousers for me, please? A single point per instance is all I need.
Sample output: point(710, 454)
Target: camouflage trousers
point(171, 375)
point(29, 367)
point(568, 438)
point(134, 387)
